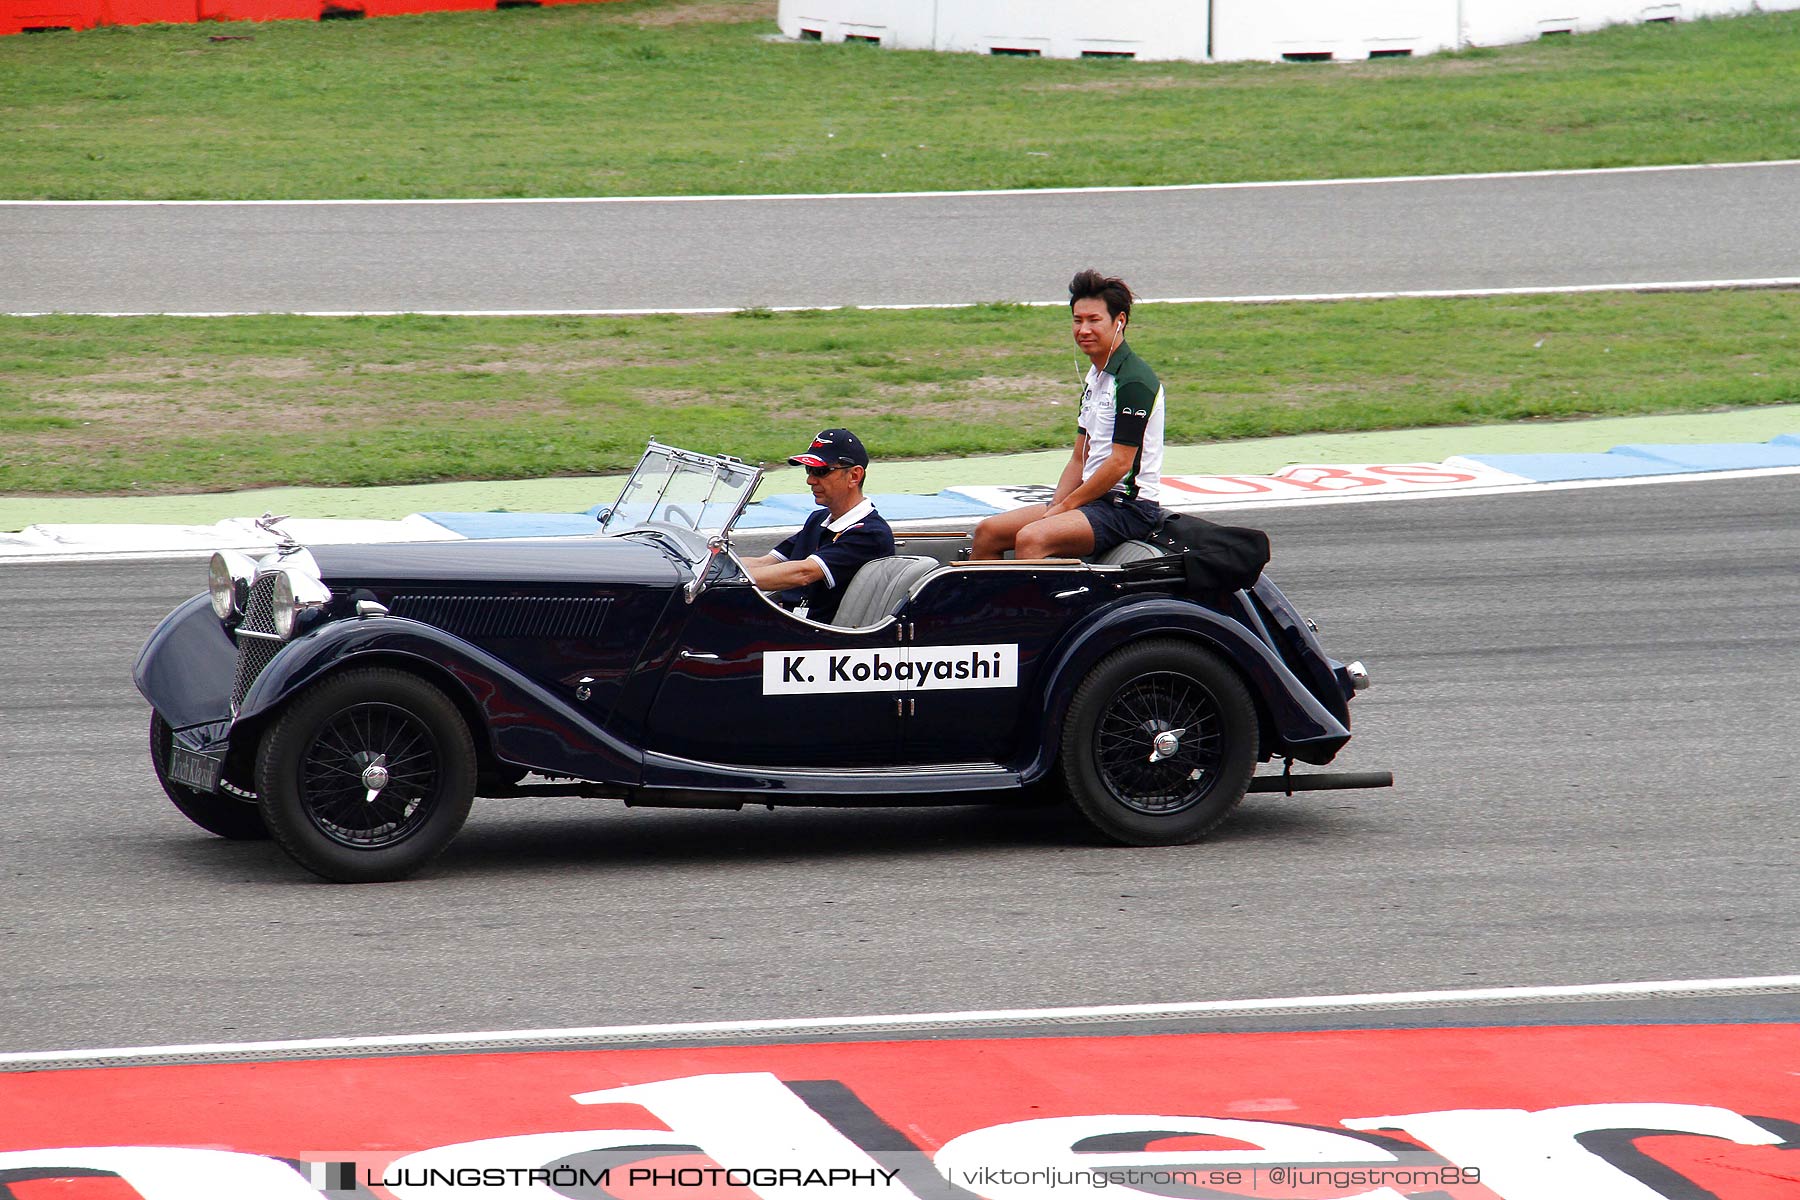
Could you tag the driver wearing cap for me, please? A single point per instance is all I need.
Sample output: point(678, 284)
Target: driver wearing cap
point(815, 565)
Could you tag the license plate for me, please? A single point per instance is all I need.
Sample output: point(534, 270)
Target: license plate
point(194, 770)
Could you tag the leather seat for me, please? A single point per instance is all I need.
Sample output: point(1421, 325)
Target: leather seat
point(879, 588)
point(1129, 552)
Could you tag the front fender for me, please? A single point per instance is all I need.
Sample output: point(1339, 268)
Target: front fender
point(186, 665)
point(1304, 727)
point(524, 722)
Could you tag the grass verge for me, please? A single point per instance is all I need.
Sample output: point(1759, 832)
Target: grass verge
point(155, 405)
point(656, 97)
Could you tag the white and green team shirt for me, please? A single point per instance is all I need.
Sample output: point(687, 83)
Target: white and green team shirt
point(1122, 404)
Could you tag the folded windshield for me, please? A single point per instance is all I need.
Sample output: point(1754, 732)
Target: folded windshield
point(701, 492)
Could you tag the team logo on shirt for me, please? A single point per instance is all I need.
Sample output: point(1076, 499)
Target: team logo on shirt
point(890, 669)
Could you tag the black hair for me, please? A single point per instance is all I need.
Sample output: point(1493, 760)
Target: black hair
point(1109, 288)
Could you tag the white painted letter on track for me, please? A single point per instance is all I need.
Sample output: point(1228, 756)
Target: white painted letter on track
point(1540, 1156)
point(165, 1172)
point(1017, 1161)
point(747, 1122)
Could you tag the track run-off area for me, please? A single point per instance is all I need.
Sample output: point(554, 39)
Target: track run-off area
point(1584, 693)
point(1581, 692)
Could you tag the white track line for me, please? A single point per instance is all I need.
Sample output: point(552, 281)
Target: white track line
point(1359, 181)
point(1675, 285)
point(1675, 988)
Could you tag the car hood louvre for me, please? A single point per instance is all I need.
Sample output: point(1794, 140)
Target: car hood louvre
point(476, 617)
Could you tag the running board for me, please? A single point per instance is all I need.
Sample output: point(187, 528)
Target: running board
point(1322, 781)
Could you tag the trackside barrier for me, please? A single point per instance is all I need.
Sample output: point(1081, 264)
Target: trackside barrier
point(26, 16)
point(149, 12)
point(31, 16)
point(1494, 22)
point(261, 10)
point(1225, 30)
point(1320, 31)
point(407, 8)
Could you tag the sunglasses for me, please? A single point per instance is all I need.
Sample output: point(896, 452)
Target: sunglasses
point(822, 472)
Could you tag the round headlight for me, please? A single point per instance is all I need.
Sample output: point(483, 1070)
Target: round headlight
point(286, 612)
point(223, 591)
point(296, 598)
point(228, 579)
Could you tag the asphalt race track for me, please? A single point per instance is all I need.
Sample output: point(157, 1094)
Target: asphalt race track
point(1661, 225)
point(1587, 697)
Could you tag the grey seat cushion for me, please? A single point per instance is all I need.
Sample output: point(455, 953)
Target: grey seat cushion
point(1128, 552)
point(879, 587)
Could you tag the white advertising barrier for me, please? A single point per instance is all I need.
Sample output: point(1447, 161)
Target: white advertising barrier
point(1298, 482)
point(1224, 30)
point(1498, 22)
point(236, 533)
point(1272, 29)
point(899, 24)
point(1149, 29)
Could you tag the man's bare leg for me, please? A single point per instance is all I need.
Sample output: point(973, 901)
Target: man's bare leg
point(1066, 535)
point(996, 534)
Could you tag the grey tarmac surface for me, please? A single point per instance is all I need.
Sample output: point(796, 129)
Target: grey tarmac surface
point(1586, 696)
point(1521, 231)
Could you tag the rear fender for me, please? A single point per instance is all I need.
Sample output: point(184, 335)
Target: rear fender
point(523, 722)
point(1287, 710)
point(1310, 663)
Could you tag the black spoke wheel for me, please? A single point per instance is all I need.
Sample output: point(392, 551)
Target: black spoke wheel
point(367, 776)
point(228, 815)
point(1159, 744)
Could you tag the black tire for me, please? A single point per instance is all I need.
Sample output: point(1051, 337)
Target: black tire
point(229, 816)
point(1127, 700)
point(312, 776)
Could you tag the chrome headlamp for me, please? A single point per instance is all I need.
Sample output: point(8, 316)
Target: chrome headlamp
point(296, 596)
point(228, 582)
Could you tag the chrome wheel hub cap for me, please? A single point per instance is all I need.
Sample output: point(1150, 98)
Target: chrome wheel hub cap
point(374, 777)
point(1165, 744)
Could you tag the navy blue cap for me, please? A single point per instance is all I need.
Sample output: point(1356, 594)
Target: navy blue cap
point(833, 448)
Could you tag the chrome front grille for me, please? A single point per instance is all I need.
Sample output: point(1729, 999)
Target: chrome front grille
point(259, 610)
point(255, 653)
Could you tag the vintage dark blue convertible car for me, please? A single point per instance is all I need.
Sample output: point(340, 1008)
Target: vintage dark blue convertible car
point(352, 701)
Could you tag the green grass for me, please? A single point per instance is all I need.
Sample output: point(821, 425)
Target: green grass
point(92, 405)
point(647, 97)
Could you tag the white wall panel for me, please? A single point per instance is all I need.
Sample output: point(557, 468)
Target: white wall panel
point(1499, 22)
point(904, 24)
point(1071, 28)
point(1233, 29)
point(1054, 28)
point(1269, 29)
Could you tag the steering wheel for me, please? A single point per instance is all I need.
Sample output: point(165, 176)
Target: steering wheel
point(670, 511)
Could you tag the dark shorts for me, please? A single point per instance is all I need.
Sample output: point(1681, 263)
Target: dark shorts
point(1115, 518)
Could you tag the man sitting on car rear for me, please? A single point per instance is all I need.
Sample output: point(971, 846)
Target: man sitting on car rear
point(1108, 491)
point(814, 566)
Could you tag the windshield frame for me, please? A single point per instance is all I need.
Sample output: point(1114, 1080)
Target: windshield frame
point(659, 469)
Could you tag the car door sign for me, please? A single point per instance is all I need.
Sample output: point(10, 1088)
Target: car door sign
point(890, 669)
